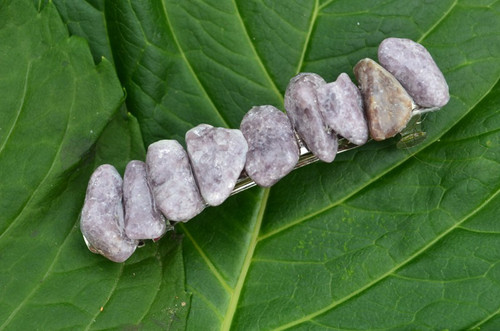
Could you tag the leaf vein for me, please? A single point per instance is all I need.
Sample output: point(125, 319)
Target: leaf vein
point(38, 284)
point(190, 67)
point(19, 110)
point(231, 310)
point(300, 64)
point(257, 56)
point(392, 270)
point(439, 21)
point(207, 261)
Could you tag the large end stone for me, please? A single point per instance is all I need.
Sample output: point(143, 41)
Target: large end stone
point(218, 157)
point(302, 107)
point(142, 219)
point(342, 108)
point(416, 70)
point(102, 222)
point(388, 106)
point(172, 182)
point(272, 148)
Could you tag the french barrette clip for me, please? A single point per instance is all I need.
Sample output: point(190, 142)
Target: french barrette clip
point(322, 119)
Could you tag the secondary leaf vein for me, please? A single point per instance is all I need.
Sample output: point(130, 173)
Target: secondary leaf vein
point(21, 106)
point(190, 68)
point(435, 25)
point(391, 271)
point(207, 261)
point(254, 51)
point(300, 64)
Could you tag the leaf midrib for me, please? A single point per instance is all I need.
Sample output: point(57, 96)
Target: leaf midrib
point(235, 297)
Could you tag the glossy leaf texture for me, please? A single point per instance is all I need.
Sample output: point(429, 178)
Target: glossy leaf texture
point(381, 238)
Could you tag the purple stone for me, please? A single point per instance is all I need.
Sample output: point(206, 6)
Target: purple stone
point(342, 108)
point(301, 104)
point(172, 182)
point(388, 105)
point(142, 219)
point(415, 69)
point(102, 222)
point(272, 148)
point(218, 156)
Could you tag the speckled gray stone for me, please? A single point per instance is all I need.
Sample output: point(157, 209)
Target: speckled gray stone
point(102, 222)
point(387, 104)
point(301, 104)
point(342, 108)
point(218, 156)
point(416, 70)
point(172, 181)
point(272, 148)
point(142, 219)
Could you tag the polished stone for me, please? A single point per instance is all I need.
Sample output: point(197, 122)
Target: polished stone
point(387, 104)
point(102, 221)
point(172, 181)
point(218, 157)
point(272, 148)
point(416, 70)
point(142, 219)
point(301, 104)
point(342, 108)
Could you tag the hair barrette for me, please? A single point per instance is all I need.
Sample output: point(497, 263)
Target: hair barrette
point(322, 119)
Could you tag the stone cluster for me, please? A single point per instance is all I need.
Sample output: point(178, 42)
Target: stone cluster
point(174, 185)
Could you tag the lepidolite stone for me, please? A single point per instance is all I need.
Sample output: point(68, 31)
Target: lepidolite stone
point(218, 156)
point(416, 70)
point(272, 148)
point(102, 222)
point(142, 219)
point(301, 104)
point(388, 106)
point(342, 108)
point(172, 182)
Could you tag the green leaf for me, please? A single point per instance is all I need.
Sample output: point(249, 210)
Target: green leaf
point(86, 19)
point(382, 238)
point(56, 125)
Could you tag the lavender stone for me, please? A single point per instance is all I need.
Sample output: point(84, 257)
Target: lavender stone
point(301, 104)
point(218, 156)
point(272, 148)
point(415, 69)
point(172, 182)
point(342, 108)
point(102, 221)
point(142, 219)
point(388, 105)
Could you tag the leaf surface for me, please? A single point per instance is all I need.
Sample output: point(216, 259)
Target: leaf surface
point(57, 124)
point(379, 239)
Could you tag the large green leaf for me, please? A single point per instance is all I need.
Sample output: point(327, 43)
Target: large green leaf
point(381, 238)
point(57, 123)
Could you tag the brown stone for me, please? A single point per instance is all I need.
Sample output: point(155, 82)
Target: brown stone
point(388, 105)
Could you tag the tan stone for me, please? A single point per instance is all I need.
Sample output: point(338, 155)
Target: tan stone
point(388, 106)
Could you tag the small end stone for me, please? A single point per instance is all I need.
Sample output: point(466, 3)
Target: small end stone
point(102, 220)
point(414, 67)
